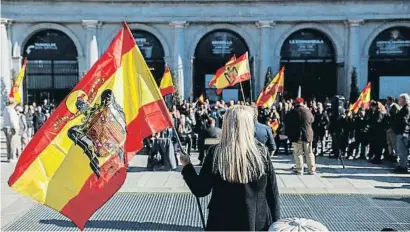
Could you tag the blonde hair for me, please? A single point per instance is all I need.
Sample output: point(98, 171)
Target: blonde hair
point(237, 157)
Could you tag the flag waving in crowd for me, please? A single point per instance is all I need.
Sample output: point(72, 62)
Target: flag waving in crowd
point(268, 95)
point(15, 89)
point(363, 100)
point(80, 155)
point(167, 85)
point(235, 71)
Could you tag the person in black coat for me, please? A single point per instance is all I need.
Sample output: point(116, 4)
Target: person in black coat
point(377, 131)
point(38, 119)
point(245, 195)
point(319, 126)
point(211, 132)
point(359, 147)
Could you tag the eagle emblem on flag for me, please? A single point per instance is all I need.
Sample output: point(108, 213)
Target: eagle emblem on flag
point(102, 132)
point(231, 73)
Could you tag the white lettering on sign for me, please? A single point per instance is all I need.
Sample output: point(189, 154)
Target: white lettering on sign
point(140, 40)
point(305, 41)
point(45, 46)
point(222, 42)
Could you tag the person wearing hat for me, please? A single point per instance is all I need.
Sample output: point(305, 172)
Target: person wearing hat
point(11, 127)
point(298, 128)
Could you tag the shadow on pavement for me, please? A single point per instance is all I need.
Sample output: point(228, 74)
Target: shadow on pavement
point(388, 179)
point(121, 225)
point(387, 187)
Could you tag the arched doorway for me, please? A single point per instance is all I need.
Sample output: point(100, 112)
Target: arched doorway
point(309, 59)
point(52, 66)
point(212, 53)
point(153, 52)
point(389, 59)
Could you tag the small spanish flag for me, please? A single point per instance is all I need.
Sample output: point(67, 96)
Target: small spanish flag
point(268, 95)
point(166, 86)
point(235, 70)
point(201, 98)
point(274, 124)
point(79, 157)
point(15, 89)
point(364, 99)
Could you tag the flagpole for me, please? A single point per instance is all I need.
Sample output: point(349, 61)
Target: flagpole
point(197, 199)
point(250, 79)
point(243, 95)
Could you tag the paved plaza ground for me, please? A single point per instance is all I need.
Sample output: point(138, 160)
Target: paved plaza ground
point(361, 197)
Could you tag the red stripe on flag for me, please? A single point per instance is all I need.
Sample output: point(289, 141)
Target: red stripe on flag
point(102, 70)
point(152, 118)
point(94, 193)
point(167, 90)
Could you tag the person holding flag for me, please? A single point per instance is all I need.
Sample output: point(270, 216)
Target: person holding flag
point(80, 155)
point(15, 89)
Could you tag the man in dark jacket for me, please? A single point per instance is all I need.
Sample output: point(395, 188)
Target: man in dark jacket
point(401, 122)
point(298, 127)
point(38, 119)
point(263, 134)
point(211, 132)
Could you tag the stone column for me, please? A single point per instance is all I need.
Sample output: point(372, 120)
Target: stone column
point(91, 43)
point(264, 54)
point(5, 62)
point(353, 52)
point(178, 54)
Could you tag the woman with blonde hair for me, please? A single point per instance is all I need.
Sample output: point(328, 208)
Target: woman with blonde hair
point(240, 174)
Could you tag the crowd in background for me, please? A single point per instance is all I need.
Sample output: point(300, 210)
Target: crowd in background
point(373, 134)
point(20, 123)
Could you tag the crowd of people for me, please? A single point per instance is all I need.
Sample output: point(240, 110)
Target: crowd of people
point(377, 133)
point(20, 123)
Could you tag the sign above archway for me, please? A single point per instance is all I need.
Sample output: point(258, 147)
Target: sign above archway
point(50, 45)
point(150, 47)
point(307, 43)
point(220, 44)
point(393, 42)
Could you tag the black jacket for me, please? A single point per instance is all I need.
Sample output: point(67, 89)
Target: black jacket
point(238, 207)
point(263, 134)
point(401, 119)
point(298, 124)
point(38, 120)
point(321, 121)
point(211, 132)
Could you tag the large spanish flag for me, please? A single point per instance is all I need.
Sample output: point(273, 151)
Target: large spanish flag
point(166, 86)
point(364, 99)
point(79, 157)
point(235, 70)
point(15, 89)
point(268, 95)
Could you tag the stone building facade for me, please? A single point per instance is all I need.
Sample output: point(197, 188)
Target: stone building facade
point(318, 42)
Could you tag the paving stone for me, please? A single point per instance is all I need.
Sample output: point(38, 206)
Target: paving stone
point(171, 211)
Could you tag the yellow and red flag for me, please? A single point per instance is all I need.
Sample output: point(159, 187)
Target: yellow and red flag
point(166, 86)
point(235, 70)
point(201, 98)
point(79, 157)
point(274, 124)
point(364, 99)
point(268, 95)
point(15, 89)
